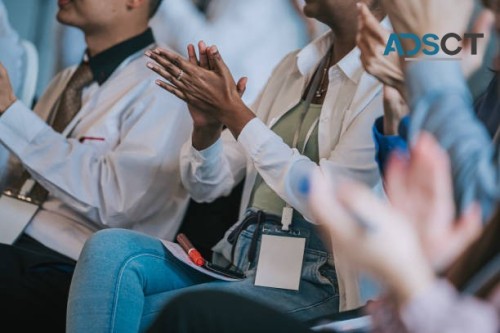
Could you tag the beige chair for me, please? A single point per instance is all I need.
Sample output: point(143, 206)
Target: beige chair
point(30, 80)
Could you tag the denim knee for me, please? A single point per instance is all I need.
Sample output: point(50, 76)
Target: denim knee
point(112, 244)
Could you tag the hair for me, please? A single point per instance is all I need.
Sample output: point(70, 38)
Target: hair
point(153, 7)
point(479, 257)
point(490, 4)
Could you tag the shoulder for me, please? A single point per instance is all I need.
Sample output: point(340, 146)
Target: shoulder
point(137, 84)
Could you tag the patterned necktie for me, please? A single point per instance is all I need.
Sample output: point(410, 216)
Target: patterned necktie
point(70, 104)
point(71, 98)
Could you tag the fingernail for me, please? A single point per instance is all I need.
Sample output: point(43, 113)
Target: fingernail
point(157, 51)
point(158, 82)
point(150, 65)
point(148, 53)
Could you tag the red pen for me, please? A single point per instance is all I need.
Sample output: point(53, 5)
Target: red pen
point(90, 138)
point(191, 251)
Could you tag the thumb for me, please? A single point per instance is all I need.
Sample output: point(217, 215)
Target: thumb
point(483, 24)
point(469, 224)
point(241, 86)
point(3, 70)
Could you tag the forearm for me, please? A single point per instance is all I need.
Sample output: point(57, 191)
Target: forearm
point(442, 106)
point(212, 172)
point(115, 185)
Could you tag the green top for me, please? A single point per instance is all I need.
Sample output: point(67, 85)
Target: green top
point(263, 197)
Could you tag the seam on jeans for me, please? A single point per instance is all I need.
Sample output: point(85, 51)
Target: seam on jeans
point(326, 300)
point(118, 284)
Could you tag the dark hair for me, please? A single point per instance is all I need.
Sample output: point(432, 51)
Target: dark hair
point(477, 270)
point(153, 7)
point(490, 4)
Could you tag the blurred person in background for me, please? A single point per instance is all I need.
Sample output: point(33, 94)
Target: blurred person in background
point(441, 273)
point(253, 35)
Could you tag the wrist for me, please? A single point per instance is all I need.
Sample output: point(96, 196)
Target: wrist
point(415, 280)
point(205, 136)
point(8, 103)
point(391, 125)
point(236, 117)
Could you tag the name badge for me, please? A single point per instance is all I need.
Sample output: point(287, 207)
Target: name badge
point(280, 261)
point(15, 215)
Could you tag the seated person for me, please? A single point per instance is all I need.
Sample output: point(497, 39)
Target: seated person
point(102, 147)
point(315, 113)
point(419, 224)
point(417, 300)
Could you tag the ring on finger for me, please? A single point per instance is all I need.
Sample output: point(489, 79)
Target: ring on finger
point(179, 77)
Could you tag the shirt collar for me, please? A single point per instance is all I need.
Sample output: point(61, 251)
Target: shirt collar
point(106, 62)
point(310, 56)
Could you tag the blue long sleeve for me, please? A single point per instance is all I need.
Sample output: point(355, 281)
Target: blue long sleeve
point(442, 105)
point(385, 145)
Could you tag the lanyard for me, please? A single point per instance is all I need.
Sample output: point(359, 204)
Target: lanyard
point(307, 103)
point(287, 214)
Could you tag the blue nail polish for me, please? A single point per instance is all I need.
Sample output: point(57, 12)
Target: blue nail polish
point(304, 186)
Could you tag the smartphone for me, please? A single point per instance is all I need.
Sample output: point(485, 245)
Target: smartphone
point(230, 273)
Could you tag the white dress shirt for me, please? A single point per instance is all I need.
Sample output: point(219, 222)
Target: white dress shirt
point(119, 166)
point(346, 148)
point(252, 35)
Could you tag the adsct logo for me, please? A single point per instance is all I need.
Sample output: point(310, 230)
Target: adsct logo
point(431, 45)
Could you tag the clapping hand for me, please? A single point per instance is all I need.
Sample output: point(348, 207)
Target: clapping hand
point(420, 17)
point(421, 189)
point(208, 89)
point(372, 39)
point(402, 241)
point(7, 97)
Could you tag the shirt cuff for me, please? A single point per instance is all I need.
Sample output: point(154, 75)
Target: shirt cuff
point(208, 155)
point(385, 145)
point(430, 77)
point(19, 126)
point(254, 136)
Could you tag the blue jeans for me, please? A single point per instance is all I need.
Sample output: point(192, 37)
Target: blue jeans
point(123, 279)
